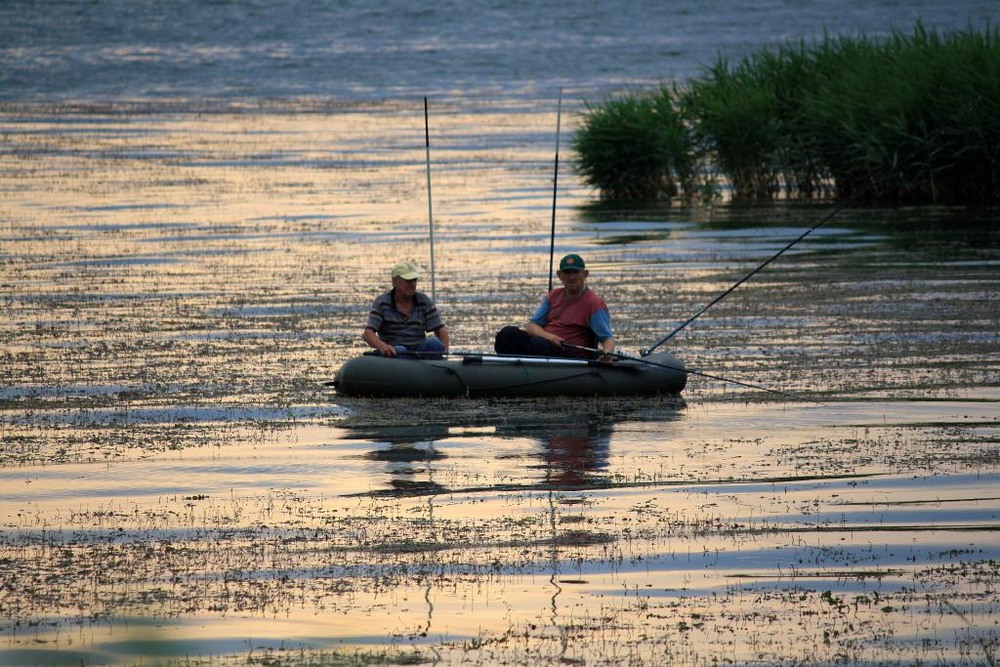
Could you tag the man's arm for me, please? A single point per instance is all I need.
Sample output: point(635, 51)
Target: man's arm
point(371, 337)
point(442, 333)
point(600, 324)
point(536, 330)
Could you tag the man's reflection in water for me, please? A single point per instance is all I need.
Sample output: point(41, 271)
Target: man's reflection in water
point(409, 460)
point(577, 459)
point(408, 457)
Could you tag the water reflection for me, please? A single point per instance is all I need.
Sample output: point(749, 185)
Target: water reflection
point(168, 458)
point(538, 445)
point(577, 460)
point(559, 453)
point(408, 453)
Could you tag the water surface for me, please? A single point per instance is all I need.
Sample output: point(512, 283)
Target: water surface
point(198, 209)
point(178, 481)
point(191, 51)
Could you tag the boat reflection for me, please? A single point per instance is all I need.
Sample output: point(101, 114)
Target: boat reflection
point(558, 454)
point(537, 445)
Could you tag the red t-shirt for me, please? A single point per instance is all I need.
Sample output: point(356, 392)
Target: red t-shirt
point(571, 320)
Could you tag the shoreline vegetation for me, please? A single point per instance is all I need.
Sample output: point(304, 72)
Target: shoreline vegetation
point(910, 119)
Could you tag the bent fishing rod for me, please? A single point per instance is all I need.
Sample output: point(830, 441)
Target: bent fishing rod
point(826, 218)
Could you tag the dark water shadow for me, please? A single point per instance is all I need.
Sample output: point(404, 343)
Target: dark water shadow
point(896, 226)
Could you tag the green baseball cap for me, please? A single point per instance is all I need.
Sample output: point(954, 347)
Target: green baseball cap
point(572, 262)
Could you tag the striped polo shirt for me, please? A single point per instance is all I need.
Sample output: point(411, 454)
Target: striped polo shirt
point(395, 328)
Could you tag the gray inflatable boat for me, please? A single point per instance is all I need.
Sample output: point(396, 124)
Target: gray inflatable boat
point(473, 375)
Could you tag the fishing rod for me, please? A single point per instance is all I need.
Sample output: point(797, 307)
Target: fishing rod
point(430, 210)
point(836, 209)
point(691, 371)
point(555, 187)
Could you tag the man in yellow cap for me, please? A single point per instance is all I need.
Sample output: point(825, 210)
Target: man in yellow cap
point(569, 317)
point(401, 318)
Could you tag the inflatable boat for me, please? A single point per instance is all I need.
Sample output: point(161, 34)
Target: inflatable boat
point(474, 375)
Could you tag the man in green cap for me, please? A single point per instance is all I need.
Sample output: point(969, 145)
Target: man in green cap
point(569, 317)
point(401, 318)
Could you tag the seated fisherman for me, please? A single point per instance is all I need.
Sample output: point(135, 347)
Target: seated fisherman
point(571, 315)
point(400, 319)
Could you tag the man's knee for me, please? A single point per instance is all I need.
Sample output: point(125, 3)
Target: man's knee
point(431, 348)
point(509, 340)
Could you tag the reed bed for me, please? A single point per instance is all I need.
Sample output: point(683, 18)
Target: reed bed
point(910, 119)
point(637, 147)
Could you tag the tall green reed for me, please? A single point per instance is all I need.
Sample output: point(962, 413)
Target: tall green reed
point(913, 118)
point(636, 147)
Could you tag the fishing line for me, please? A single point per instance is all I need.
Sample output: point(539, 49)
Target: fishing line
point(836, 209)
point(555, 188)
point(691, 371)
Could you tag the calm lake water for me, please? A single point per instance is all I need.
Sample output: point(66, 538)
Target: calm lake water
point(200, 201)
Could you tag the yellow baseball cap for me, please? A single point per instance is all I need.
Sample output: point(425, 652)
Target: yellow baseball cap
point(406, 271)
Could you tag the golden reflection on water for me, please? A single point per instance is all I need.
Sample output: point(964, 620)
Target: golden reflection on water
point(177, 287)
point(302, 537)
